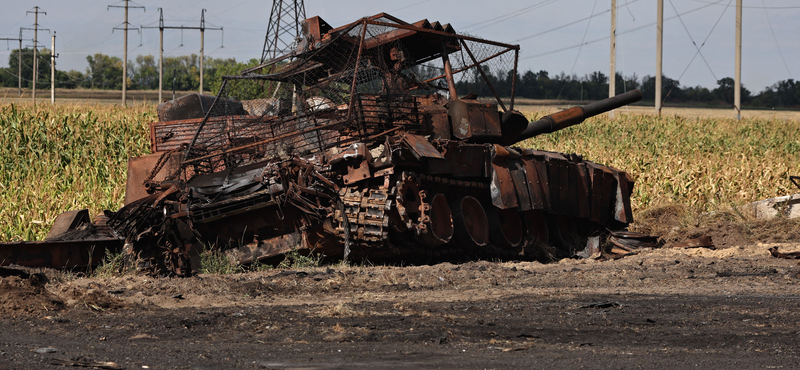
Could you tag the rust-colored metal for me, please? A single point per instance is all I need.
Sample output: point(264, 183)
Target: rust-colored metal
point(436, 221)
point(791, 255)
point(470, 222)
point(514, 80)
point(355, 70)
point(337, 151)
point(58, 253)
point(505, 227)
point(704, 241)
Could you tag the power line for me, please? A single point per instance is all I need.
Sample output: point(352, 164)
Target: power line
point(586, 31)
point(692, 38)
point(563, 25)
point(510, 15)
point(751, 7)
point(776, 41)
point(698, 51)
point(606, 37)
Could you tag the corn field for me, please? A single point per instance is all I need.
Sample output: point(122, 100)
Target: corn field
point(58, 158)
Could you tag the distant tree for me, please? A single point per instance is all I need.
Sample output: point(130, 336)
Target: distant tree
point(104, 72)
point(143, 73)
point(725, 91)
point(9, 75)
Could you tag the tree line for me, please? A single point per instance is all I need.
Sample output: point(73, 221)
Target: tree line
point(182, 73)
point(103, 72)
point(594, 86)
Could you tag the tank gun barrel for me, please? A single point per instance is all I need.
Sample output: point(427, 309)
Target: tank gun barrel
point(576, 115)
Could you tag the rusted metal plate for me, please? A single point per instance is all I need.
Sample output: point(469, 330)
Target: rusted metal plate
point(501, 188)
point(421, 147)
point(462, 160)
point(603, 188)
point(439, 125)
point(269, 247)
point(622, 204)
point(555, 180)
point(67, 221)
point(57, 254)
point(357, 172)
point(141, 169)
point(474, 120)
point(520, 183)
point(582, 188)
point(538, 197)
point(169, 135)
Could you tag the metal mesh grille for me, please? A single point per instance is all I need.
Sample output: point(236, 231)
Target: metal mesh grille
point(363, 80)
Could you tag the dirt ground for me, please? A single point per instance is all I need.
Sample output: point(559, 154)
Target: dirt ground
point(734, 307)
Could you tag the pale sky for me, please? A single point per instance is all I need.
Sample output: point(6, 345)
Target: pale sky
point(771, 32)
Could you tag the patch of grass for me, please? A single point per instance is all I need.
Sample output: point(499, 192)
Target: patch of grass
point(215, 261)
point(296, 259)
point(114, 264)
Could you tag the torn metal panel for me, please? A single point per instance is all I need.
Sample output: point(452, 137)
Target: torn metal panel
point(622, 204)
point(67, 222)
point(501, 187)
point(261, 249)
point(537, 184)
point(603, 192)
point(150, 168)
point(58, 254)
point(791, 255)
point(421, 147)
point(520, 183)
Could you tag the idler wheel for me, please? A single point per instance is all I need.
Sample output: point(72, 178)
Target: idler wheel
point(536, 226)
point(470, 222)
point(505, 226)
point(436, 221)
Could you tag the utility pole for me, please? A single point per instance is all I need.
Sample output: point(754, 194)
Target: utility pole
point(125, 27)
point(202, 44)
point(737, 86)
point(161, 27)
point(659, 53)
point(36, 11)
point(53, 69)
point(19, 56)
point(612, 78)
point(19, 62)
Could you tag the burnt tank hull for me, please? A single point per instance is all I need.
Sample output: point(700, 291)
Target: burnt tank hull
point(413, 193)
point(357, 146)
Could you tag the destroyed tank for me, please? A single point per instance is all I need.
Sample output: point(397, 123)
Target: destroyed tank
point(356, 145)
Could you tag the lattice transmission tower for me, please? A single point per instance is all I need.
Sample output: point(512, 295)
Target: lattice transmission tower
point(283, 30)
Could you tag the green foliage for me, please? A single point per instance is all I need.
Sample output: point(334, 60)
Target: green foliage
point(215, 261)
point(8, 76)
point(104, 72)
point(64, 157)
point(296, 259)
point(114, 264)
